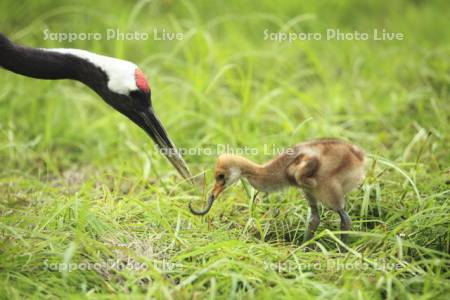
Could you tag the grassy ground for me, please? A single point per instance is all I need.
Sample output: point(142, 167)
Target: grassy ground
point(89, 209)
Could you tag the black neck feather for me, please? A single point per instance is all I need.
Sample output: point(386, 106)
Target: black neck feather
point(42, 64)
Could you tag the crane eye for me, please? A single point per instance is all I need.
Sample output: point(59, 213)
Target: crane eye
point(220, 177)
point(136, 94)
point(140, 98)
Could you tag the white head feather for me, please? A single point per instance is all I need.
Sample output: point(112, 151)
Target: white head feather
point(121, 73)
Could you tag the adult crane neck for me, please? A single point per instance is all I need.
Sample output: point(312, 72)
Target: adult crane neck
point(43, 64)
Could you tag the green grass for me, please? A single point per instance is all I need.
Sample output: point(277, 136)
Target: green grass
point(82, 186)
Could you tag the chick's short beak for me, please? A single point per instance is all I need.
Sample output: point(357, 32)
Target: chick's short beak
point(218, 188)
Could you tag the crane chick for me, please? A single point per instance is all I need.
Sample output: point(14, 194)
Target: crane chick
point(325, 169)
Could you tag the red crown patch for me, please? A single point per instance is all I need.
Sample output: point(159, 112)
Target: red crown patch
point(141, 81)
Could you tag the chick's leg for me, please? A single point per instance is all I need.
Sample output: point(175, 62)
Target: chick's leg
point(333, 196)
point(346, 224)
point(314, 219)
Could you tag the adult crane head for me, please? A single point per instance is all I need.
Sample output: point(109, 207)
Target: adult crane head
point(120, 83)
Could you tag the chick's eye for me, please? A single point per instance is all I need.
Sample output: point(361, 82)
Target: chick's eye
point(220, 177)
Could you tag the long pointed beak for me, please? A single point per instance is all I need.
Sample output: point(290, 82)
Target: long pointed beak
point(151, 124)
